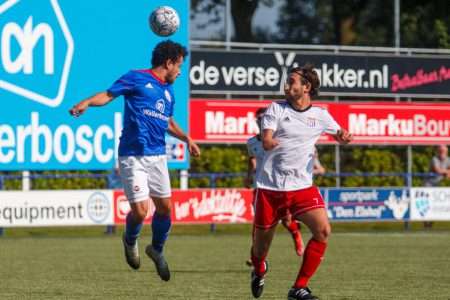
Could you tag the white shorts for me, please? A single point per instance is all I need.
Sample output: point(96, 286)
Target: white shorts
point(144, 176)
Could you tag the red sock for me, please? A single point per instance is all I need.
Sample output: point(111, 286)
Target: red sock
point(259, 265)
point(293, 227)
point(311, 260)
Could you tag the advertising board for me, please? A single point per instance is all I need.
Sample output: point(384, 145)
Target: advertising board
point(55, 53)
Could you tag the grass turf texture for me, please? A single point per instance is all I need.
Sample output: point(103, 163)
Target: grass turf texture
point(81, 263)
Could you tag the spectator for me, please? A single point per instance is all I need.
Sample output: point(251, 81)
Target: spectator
point(440, 166)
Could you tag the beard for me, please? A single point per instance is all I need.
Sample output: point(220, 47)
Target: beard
point(171, 79)
point(291, 99)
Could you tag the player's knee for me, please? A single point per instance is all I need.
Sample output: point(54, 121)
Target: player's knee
point(327, 231)
point(323, 233)
point(139, 215)
point(163, 211)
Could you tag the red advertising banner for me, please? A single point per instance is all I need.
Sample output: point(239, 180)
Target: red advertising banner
point(398, 124)
point(198, 206)
point(233, 121)
point(223, 121)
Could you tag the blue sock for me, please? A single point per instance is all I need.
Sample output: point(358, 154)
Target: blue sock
point(132, 230)
point(160, 227)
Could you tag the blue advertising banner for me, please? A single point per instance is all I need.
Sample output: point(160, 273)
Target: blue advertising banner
point(351, 204)
point(53, 53)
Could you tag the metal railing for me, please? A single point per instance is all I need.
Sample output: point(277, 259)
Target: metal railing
point(213, 177)
point(329, 48)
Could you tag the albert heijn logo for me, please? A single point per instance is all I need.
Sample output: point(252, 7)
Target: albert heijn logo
point(36, 50)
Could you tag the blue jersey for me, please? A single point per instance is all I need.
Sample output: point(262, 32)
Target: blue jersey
point(149, 104)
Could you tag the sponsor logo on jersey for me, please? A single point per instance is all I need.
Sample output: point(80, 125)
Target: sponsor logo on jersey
point(154, 114)
point(311, 122)
point(160, 105)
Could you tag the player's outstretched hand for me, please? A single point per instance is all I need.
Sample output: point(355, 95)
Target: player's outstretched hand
point(78, 109)
point(194, 149)
point(343, 136)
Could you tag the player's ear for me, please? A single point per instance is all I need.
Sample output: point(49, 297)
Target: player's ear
point(168, 63)
point(307, 87)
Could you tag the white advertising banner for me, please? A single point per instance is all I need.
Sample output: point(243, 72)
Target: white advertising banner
point(430, 204)
point(56, 208)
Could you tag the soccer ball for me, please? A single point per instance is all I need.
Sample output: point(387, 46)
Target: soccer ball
point(164, 21)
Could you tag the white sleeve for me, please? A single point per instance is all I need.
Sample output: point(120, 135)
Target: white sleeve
point(330, 126)
point(270, 119)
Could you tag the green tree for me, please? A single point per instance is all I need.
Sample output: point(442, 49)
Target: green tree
point(425, 24)
point(242, 13)
point(348, 22)
point(220, 159)
point(362, 159)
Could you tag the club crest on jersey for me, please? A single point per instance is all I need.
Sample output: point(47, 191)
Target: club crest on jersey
point(160, 105)
point(167, 95)
point(149, 85)
point(311, 122)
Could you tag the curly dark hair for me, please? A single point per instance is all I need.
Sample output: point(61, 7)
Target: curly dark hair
point(308, 75)
point(167, 50)
point(261, 110)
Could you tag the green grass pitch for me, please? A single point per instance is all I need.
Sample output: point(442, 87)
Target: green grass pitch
point(87, 265)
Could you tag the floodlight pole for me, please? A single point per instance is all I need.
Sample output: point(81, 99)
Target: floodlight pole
point(228, 24)
point(397, 24)
point(26, 183)
point(184, 179)
point(408, 181)
point(337, 158)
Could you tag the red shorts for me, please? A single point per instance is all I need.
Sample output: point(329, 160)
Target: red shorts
point(271, 206)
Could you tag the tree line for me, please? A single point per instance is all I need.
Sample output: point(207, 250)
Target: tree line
point(423, 24)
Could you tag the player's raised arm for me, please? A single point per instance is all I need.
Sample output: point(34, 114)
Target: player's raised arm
point(175, 131)
point(98, 99)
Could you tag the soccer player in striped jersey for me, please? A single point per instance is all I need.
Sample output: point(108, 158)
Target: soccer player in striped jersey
point(284, 183)
point(149, 105)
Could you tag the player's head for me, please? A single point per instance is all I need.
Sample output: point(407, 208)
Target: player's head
point(259, 115)
point(442, 151)
point(169, 55)
point(301, 81)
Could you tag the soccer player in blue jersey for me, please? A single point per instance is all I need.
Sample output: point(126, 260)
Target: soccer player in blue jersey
point(149, 103)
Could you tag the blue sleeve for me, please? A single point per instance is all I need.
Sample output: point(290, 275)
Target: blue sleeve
point(123, 86)
point(172, 107)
